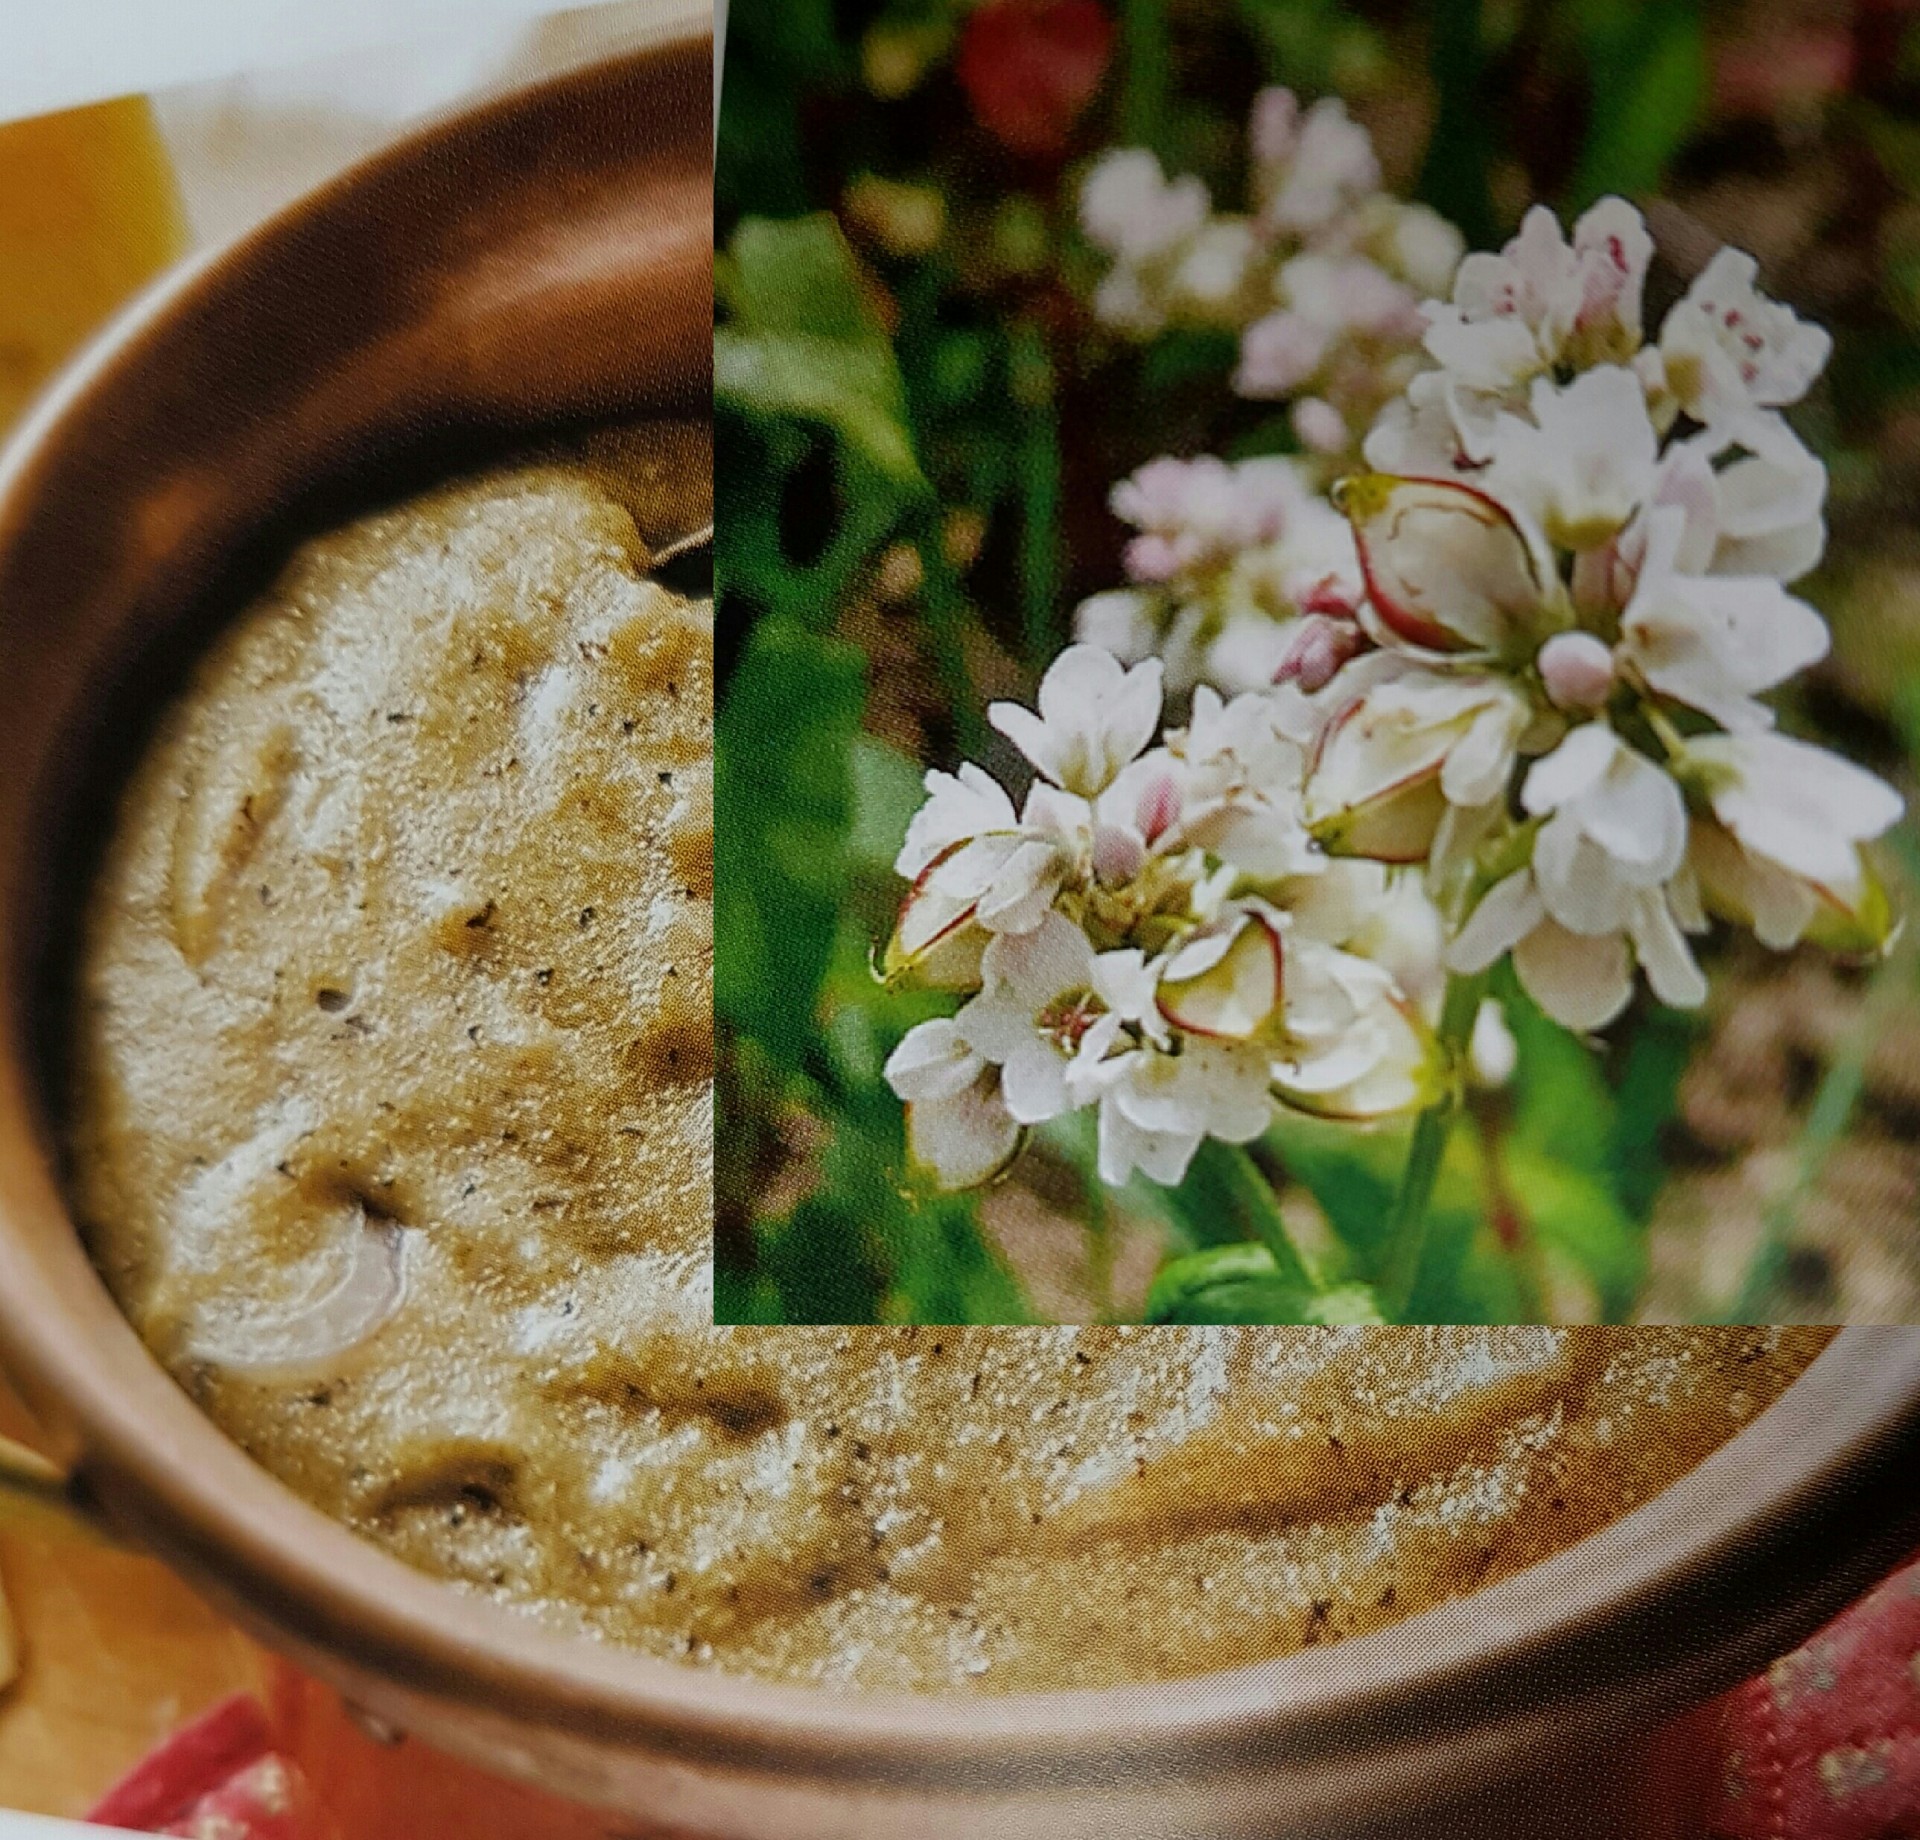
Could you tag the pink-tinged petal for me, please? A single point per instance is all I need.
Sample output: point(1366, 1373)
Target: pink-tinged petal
point(966, 1140)
point(1320, 645)
point(1447, 567)
point(1581, 983)
point(1118, 854)
point(1577, 671)
point(1238, 996)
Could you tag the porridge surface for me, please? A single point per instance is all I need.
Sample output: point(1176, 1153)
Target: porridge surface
point(393, 1133)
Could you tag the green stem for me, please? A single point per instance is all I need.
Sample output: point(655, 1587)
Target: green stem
point(1231, 1169)
point(1407, 1229)
point(1038, 472)
point(1143, 99)
point(1099, 1223)
point(1460, 146)
point(1516, 1232)
point(947, 614)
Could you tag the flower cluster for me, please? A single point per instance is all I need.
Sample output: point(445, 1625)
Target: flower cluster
point(1152, 933)
point(1576, 545)
point(1230, 559)
point(1322, 279)
point(1507, 700)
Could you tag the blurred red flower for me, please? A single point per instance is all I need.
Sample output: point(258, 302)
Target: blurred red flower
point(1029, 67)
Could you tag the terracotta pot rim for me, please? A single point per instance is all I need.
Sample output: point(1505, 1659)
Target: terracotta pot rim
point(1759, 1567)
point(1557, 1626)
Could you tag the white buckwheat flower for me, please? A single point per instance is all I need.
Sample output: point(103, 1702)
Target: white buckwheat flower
point(1727, 351)
point(1129, 941)
point(958, 1126)
point(1545, 523)
point(1309, 167)
point(1782, 851)
point(1322, 280)
point(1229, 558)
point(1095, 715)
point(1543, 301)
point(1133, 211)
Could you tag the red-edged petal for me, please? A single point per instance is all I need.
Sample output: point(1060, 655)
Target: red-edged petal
point(1446, 565)
point(1238, 996)
point(1393, 823)
point(934, 941)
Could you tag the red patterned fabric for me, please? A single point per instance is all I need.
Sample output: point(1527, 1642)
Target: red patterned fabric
point(218, 1779)
point(1826, 1744)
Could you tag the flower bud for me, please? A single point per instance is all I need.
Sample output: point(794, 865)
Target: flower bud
point(1319, 647)
point(1321, 427)
point(937, 940)
point(1577, 670)
point(1118, 854)
point(1225, 985)
point(1448, 568)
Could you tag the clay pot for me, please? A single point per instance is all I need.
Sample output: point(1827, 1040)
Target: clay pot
point(549, 256)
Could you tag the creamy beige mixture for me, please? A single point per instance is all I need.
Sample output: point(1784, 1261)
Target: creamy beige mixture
point(393, 1131)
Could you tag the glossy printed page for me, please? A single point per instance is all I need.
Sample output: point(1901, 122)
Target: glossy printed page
point(1316, 705)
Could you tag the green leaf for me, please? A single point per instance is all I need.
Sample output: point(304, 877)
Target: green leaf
point(1347, 1306)
point(944, 1269)
point(1573, 1213)
point(1241, 1284)
point(887, 791)
point(815, 462)
point(783, 807)
point(1354, 1175)
point(801, 338)
point(1185, 356)
point(742, 1297)
point(1562, 1104)
point(1317, 45)
point(796, 36)
point(854, 388)
point(1226, 1284)
point(1649, 73)
point(1645, 1102)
